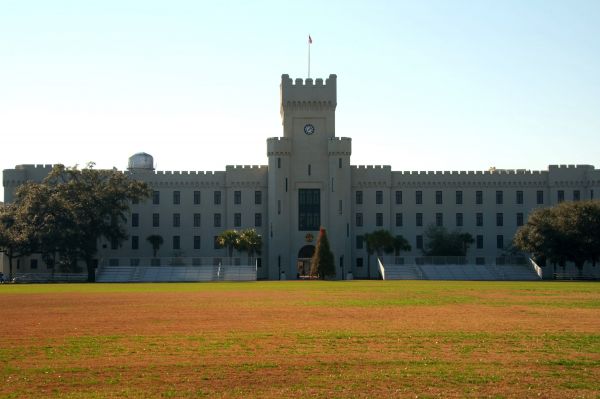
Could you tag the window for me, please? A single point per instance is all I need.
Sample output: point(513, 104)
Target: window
point(459, 219)
point(360, 240)
point(359, 219)
point(217, 198)
point(560, 195)
point(499, 197)
point(359, 262)
point(197, 242)
point(480, 260)
point(113, 262)
point(155, 220)
point(309, 169)
point(340, 163)
point(176, 197)
point(419, 219)
point(479, 219)
point(258, 197)
point(540, 197)
point(379, 197)
point(419, 242)
point(479, 197)
point(33, 264)
point(520, 219)
point(216, 244)
point(438, 197)
point(135, 242)
point(576, 195)
point(479, 242)
point(519, 197)
point(197, 197)
point(398, 219)
point(237, 219)
point(176, 242)
point(500, 241)
point(279, 207)
point(459, 197)
point(439, 219)
point(419, 197)
point(176, 220)
point(237, 197)
point(359, 198)
point(398, 197)
point(156, 197)
point(499, 219)
point(340, 207)
point(135, 219)
point(379, 219)
point(286, 184)
point(309, 209)
point(197, 220)
point(217, 220)
point(278, 163)
point(258, 219)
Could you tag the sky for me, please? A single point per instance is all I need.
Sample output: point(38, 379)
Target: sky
point(422, 85)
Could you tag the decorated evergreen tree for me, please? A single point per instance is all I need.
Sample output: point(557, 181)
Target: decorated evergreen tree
point(322, 264)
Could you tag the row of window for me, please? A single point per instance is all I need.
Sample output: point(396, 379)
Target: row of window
point(197, 220)
point(197, 197)
point(175, 243)
point(439, 219)
point(360, 241)
point(439, 197)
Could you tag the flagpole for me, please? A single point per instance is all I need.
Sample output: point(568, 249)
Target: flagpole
point(309, 55)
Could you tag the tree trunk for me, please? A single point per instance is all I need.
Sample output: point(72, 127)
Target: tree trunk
point(10, 267)
point(91, 270)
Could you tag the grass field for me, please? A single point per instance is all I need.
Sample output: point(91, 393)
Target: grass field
point(364, 339)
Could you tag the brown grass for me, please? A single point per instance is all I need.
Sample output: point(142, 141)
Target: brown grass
point(304, 339)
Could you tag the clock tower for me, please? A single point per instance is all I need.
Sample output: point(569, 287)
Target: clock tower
point(309, 179)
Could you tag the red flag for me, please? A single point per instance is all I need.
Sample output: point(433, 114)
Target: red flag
point(309, 39)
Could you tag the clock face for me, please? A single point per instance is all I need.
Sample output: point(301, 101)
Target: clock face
point(309, 129)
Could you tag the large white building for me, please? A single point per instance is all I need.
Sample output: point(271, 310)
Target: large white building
point(309, 182)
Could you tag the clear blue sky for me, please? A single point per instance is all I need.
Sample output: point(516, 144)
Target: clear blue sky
point(422, 85)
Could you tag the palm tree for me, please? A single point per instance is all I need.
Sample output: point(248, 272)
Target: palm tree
point(156, 241)
point(229, 239)
point(382, 241)
point(251, 242)
point(401, 244)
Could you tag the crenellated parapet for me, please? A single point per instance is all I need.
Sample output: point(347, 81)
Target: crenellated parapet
point(246, 175)
point(371, 175)
point(340, 146)
point(12, 178)
point(489, 178)
point(308, 95)
point(172, 179)
point(279, 146)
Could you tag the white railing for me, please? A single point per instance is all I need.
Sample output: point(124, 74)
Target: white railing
point(381, 268)
point(177, 261)
point(537, 269)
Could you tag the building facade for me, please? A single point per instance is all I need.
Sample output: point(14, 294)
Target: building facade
point(309, 182)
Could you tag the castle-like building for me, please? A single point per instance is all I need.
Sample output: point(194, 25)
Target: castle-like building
point(309, 182)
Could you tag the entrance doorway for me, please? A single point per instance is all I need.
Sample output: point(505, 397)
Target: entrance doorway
point(303, 264)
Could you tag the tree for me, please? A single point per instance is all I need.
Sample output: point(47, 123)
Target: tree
point(72, 209)
point(13, 240)
point(250, 241)
point(156, 241)
point(229, 239)
point(440, 242)
point(382, 241)
point(569, 231)
point(322, 263)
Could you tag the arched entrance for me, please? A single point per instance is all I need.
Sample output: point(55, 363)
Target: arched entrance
point(303, 263)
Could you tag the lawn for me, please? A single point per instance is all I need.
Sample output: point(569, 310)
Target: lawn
point(301, 339)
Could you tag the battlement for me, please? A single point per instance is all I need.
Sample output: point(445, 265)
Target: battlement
point(586, 167)
point(339, 146)
point(245, 167)
point(33, 167)
point(279, 146)
point(372, 167)
point(186, 173)
point(510, 172)
point(309, 91)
